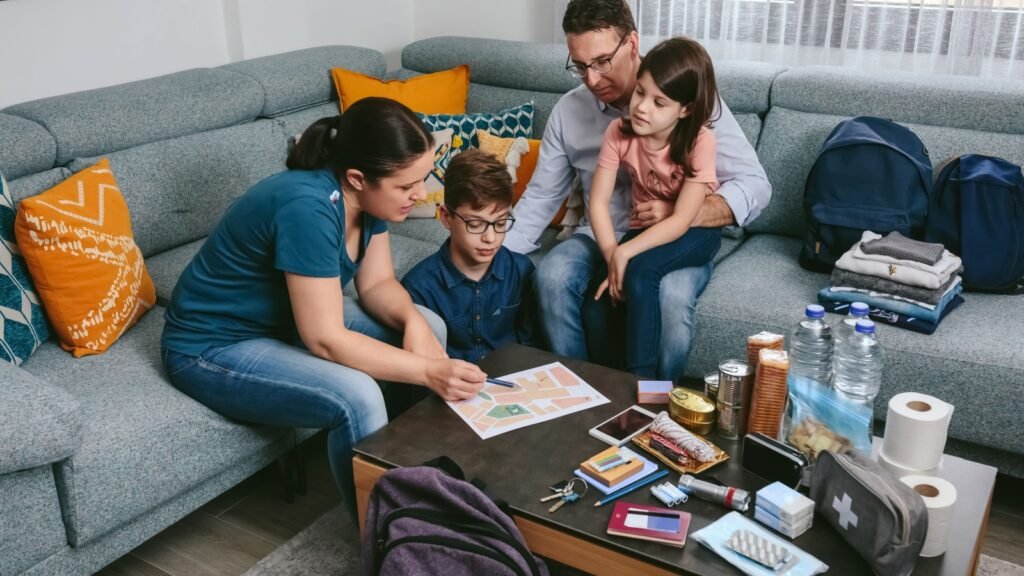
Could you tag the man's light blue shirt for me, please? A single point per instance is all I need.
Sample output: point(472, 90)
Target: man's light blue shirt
point(572, 141)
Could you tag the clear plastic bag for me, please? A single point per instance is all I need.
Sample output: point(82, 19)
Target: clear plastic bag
point(819, 418)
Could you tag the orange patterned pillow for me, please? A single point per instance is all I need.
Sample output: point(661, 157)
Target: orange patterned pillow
point(77, 242)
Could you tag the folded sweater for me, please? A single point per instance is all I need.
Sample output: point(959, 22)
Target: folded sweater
point(902, 271)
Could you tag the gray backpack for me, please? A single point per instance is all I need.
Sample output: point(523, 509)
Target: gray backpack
point(883, 519)
point(425, 520)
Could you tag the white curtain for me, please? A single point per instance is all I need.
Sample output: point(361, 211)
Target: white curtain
point(968, 37)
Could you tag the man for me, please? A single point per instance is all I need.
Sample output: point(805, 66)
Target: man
point(604, 54)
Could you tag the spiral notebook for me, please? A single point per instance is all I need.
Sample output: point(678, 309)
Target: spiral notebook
point(649, 523)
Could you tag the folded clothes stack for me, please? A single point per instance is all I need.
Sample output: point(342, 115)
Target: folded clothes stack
point(907, 283)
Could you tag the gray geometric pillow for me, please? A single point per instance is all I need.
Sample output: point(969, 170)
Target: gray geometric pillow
point(23, 325)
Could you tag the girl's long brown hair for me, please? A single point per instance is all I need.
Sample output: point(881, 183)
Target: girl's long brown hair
point(682, 69)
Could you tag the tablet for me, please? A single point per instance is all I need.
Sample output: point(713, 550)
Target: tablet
point(620, 428)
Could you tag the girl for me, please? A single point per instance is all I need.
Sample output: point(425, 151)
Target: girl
point(668, 148)
point(258, 329)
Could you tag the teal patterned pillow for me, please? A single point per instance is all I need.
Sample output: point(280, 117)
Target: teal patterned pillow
point(22, 322)
point(510, 123)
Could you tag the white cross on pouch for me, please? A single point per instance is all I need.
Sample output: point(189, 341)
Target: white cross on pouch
point(846, 515)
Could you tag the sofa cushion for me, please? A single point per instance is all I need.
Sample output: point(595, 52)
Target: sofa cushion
point(91, 295)
point(296, 123)
point(25, 147)
point(139, 433)
point(508, 123)
point(973, 360)
point(39, 422)
point(35, 183)
point(178, 189)
point(983, 104)
point(166, 267)
point(104, 120)
point(301, 79)
point(790, 141)
point(31, 528)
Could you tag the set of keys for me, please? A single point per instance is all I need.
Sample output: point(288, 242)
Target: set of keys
point(568, 491)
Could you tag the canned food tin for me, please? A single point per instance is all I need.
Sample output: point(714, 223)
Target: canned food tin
point(732, 421)
point(690, 406)
point(735, 382)
point(702, 428)
point(711, 385)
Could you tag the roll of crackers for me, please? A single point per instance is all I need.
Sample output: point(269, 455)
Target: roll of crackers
point(762, 341)
point(768, 399)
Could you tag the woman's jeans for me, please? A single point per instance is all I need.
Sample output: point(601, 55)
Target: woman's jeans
point(268, 381)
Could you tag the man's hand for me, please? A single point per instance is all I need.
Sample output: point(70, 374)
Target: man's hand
point(419, 339)
point(454, 379)
point(714, 213)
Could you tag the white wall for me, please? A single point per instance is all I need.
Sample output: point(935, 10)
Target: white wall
point(52, 47)
point(527, 20)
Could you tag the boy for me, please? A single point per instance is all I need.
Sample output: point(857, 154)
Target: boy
point(482, 290)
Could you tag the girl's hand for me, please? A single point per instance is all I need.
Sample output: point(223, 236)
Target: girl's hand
point(649, 213)
point(454, 380)
point(420, 340)
point(601, 289)
point(617, 272)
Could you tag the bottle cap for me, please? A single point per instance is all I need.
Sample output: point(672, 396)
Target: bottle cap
point(859, 309)
point(865, 327)
point(814, 311)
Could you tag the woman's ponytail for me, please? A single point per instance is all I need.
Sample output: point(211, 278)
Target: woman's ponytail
point(312, 150)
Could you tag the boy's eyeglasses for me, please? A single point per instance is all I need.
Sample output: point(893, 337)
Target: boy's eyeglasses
point(480, 226)
point(602, 65)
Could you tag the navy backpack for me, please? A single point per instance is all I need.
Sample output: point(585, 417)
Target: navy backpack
point(977, 212)
point(870, 174)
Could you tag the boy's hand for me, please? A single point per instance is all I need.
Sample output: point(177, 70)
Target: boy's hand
point(420, 340)
point(454, 379)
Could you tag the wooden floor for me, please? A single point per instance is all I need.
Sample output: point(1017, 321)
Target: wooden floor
point(234, 531)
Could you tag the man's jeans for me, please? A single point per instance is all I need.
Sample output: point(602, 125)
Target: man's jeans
point(567, 278)
point(268, 381)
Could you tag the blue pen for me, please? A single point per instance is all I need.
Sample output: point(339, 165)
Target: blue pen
point(504, 383)
point(626, 490)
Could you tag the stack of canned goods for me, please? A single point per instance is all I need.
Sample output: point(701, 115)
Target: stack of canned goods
point(735, 384)
point(692, 410)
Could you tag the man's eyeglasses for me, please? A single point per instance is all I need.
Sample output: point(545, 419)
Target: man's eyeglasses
point(480, 226)
point(602, 65)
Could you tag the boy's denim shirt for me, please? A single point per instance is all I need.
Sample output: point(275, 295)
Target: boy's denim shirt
point(481, 316)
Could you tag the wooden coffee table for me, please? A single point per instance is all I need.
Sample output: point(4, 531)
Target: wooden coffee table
point(519, 466)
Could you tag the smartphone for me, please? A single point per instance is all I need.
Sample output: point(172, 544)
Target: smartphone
point(618, 429)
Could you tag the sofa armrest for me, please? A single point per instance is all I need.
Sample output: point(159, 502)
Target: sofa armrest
point(39, 422)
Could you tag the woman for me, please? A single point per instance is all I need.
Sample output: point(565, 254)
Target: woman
point(258, 329)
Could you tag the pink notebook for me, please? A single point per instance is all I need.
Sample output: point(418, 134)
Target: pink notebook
point(649, 523)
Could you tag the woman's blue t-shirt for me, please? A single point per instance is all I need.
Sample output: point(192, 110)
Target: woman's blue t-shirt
point(234, 289)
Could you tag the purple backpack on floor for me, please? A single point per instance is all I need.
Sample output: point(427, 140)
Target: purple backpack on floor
point(425, 520)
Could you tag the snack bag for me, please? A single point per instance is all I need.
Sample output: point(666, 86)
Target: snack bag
point(819, 418)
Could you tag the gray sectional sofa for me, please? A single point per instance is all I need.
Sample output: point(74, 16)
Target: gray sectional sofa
point(100, 453)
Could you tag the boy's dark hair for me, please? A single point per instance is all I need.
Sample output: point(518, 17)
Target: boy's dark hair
point(592, 15)
point(376, 136)
point(476, 178)
point(682, 70)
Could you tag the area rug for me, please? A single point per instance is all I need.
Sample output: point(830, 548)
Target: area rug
point(330, 546)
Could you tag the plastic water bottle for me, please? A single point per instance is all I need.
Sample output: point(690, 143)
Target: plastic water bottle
point(844, 328)
point(859, 364)
point(810, 347)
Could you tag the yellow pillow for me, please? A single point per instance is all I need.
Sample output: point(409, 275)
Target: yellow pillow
point(442, 92)
point(524, 163)
point(77, 242)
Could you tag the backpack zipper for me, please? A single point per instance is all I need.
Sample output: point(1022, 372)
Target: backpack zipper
point(870, 479)
point(452, 521)
point(498, 557)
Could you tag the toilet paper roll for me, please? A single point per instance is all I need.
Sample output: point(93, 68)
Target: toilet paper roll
point(939, 497)
point(915, 430)
point(900, 471)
